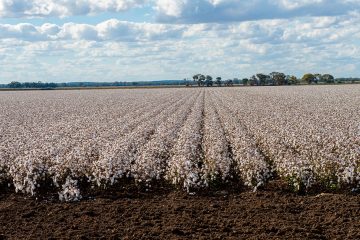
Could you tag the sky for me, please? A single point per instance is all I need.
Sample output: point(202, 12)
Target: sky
point(132, 40)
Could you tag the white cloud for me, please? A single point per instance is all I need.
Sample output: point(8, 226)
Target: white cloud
point(200, 11)
point(119, 50)
point(111, 30)
point(63, 8)
point(171, 8)
point(295, 4)
point(182, 11)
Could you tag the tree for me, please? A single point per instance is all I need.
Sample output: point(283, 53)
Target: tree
point(269, 80)
point(318, 78)
point(253, 81)
point(202, 79)
point(291, 80)
point(278, 78)
point(245, 81)
point(218, 81)
point(208, 81)
point(261, 78)
point(328, 78)
point(14, 84)
point(52, 85)
point(199, 78)
point(196, 78)
point(309, 78)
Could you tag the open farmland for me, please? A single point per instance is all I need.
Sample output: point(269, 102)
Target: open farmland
point(194, 139)
point(181, 163)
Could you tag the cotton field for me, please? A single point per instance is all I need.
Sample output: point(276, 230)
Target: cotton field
point(308, 136)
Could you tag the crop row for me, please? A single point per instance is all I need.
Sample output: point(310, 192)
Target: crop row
point(191, 138)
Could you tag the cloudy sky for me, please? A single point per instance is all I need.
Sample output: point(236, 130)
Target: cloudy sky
point(127, 40)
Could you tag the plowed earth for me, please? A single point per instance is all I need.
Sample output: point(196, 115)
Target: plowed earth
point(169, 214)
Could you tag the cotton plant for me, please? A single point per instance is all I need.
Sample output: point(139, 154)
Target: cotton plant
point(70, 191)
point(184, 165)
point(152, 157)
point(217, 160)
point(191, 138)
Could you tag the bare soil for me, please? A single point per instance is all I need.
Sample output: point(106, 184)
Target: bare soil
point(170, 214)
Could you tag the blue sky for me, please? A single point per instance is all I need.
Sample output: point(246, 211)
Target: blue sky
point(128, 40)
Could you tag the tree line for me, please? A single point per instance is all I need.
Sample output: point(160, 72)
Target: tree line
point(272, 79)
point(208, 81)
point(44, 85)
point(279, 78)
point(259, 79)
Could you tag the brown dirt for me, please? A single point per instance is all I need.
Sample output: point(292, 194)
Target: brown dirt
point(267, 214)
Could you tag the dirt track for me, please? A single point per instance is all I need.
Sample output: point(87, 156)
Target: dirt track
point(175, 215)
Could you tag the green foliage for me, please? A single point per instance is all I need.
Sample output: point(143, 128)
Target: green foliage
point(278, 78)
point(308, 78)
point(208, 81)
point(14, 85)
point(218, 81)
point(253, 81)
point(328, 78)
point(292, 80)
point(245, 81)
point(262, 78)
point(293, 183)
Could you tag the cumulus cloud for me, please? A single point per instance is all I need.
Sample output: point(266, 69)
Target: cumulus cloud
point(111, 30)
point(182, 11)
point(199, 11)
point(63, 8)
point(121, 50)
point(315, 29)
